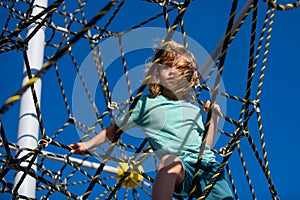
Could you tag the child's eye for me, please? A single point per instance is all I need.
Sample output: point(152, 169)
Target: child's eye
point(180, 68)
point(164, 67)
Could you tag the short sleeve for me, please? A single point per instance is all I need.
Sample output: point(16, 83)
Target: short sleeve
point(199, 122)
point(136, 117)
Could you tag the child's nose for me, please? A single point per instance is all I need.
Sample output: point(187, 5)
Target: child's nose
point(171, 70)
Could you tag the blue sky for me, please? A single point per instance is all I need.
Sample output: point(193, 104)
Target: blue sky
point(205, 24)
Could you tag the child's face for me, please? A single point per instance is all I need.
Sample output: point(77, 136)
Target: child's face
point(170, 76)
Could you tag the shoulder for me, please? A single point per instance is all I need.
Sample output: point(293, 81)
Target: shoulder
point(191, 105)
point(149, 99)
point(144, 99)
point(147, 103)
point(142, 102)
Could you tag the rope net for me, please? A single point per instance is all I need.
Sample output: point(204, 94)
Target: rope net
point(124, 169)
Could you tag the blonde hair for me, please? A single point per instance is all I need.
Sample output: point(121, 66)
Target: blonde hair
point(168, 54)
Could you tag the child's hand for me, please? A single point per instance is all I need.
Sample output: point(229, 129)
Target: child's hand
point(207, 104)
point(79, 148)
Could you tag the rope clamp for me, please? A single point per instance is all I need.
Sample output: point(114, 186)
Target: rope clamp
point(96, 38)
point(45, 142)
point(163, 3)
point(113, 106)
point(256, 107)
point(223, 152)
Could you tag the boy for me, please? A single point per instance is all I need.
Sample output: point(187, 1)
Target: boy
point(173, 126)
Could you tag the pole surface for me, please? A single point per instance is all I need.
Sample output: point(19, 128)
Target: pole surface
point(28, 128)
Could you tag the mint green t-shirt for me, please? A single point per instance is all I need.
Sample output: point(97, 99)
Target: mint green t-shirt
point(171, 127)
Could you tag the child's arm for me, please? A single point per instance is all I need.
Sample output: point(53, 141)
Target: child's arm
point(104, 136)
point(212, 129)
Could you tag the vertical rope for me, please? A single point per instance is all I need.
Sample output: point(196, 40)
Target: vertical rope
point(216, 87)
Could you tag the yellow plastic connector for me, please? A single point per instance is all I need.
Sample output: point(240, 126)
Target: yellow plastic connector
point(133, 179)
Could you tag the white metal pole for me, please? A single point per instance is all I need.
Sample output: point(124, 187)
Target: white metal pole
point(28, 123)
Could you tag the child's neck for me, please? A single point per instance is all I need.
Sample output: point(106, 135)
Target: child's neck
point(169, 94)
